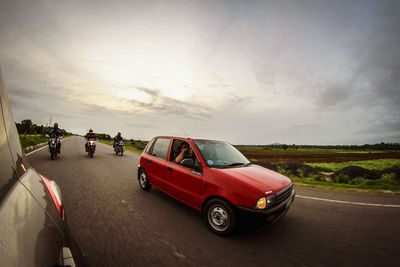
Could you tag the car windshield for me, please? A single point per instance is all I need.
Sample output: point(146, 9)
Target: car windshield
point(218, 154)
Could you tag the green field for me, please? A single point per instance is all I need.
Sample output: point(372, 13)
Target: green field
point(30, 140)
point(374, 165)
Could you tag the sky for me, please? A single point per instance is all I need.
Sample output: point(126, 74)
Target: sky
point(248, 72)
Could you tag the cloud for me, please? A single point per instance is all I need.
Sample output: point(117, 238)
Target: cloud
point(335, 95)
point(167, 106)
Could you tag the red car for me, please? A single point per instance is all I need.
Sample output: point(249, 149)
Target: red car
point(215, 178)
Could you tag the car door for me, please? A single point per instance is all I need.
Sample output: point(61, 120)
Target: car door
point(182, 182)
point(154, 163)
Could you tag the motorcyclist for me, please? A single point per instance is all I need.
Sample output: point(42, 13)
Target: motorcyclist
point(56, 132)
point(88, 136)
point(117, 138)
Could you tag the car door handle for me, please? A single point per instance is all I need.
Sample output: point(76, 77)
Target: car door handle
point(148, 161)
point(169, 169)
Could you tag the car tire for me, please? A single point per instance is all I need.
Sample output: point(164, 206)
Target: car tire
point(220, 217)
point(143, 181)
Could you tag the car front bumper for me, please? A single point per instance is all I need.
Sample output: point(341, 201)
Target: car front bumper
point(274, 211)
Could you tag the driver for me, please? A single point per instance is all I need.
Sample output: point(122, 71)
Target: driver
point(183, 153)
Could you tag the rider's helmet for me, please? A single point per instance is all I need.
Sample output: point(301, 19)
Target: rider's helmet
point(119, 133)
point(56, 125)
point(90, 131)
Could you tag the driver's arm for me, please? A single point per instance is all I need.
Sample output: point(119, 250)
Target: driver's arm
point(179, 158)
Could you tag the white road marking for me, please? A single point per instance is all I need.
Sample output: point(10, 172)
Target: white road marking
point(350, 202)
point(30, 153)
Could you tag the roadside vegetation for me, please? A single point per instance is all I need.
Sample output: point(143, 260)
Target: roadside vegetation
point(32, 134)
point(30, 140)
point(382, 175)
point(374, 165)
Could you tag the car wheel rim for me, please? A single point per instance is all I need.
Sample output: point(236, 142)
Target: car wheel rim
point(142, 179)
point(218, 218)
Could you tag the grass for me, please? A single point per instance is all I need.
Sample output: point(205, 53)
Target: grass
point(374, 165)
point(30, 140)
point(127, 146)
point(34, 139)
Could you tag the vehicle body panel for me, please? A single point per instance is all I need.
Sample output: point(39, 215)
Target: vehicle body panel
point(183, 183)
point(32, 237)
point(32, 233)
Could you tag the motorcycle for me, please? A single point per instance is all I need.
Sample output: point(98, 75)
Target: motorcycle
point(91, 147)
point(119, 148)
point(53, 147)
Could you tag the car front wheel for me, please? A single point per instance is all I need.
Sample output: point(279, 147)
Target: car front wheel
point(143, 181)
point(220, 218)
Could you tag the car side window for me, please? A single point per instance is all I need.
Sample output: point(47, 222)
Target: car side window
point(176, 149)
point(148, 148)
point(160, 148)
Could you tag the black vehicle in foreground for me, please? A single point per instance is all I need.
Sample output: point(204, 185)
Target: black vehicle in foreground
point(33, 226)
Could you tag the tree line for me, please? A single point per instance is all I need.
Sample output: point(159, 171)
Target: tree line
point(27, 127)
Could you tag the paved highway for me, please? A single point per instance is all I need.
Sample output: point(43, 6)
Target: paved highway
point(118, 224)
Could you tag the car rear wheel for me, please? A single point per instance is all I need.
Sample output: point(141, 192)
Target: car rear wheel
point(143, 181)
point(220, 218)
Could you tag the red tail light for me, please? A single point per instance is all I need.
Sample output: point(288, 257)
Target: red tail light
point(55, 194)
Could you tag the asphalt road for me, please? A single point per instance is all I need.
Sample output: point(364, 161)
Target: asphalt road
point(118, 224)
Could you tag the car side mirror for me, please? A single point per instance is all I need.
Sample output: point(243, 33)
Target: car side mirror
point(190, 164)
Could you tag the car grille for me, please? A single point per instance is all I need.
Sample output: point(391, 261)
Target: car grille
point(284, 194)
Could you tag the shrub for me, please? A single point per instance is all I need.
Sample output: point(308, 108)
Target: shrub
point(371, 182)
point(394, 170)
point(357, 180)
point(341, 178)
point(389, 178)
point(318, 177)
point(299, 169)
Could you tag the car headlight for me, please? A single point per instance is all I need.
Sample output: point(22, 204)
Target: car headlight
point(261, 203)
point(264, 202)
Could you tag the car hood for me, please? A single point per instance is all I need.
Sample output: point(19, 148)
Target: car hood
point(259, 177)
